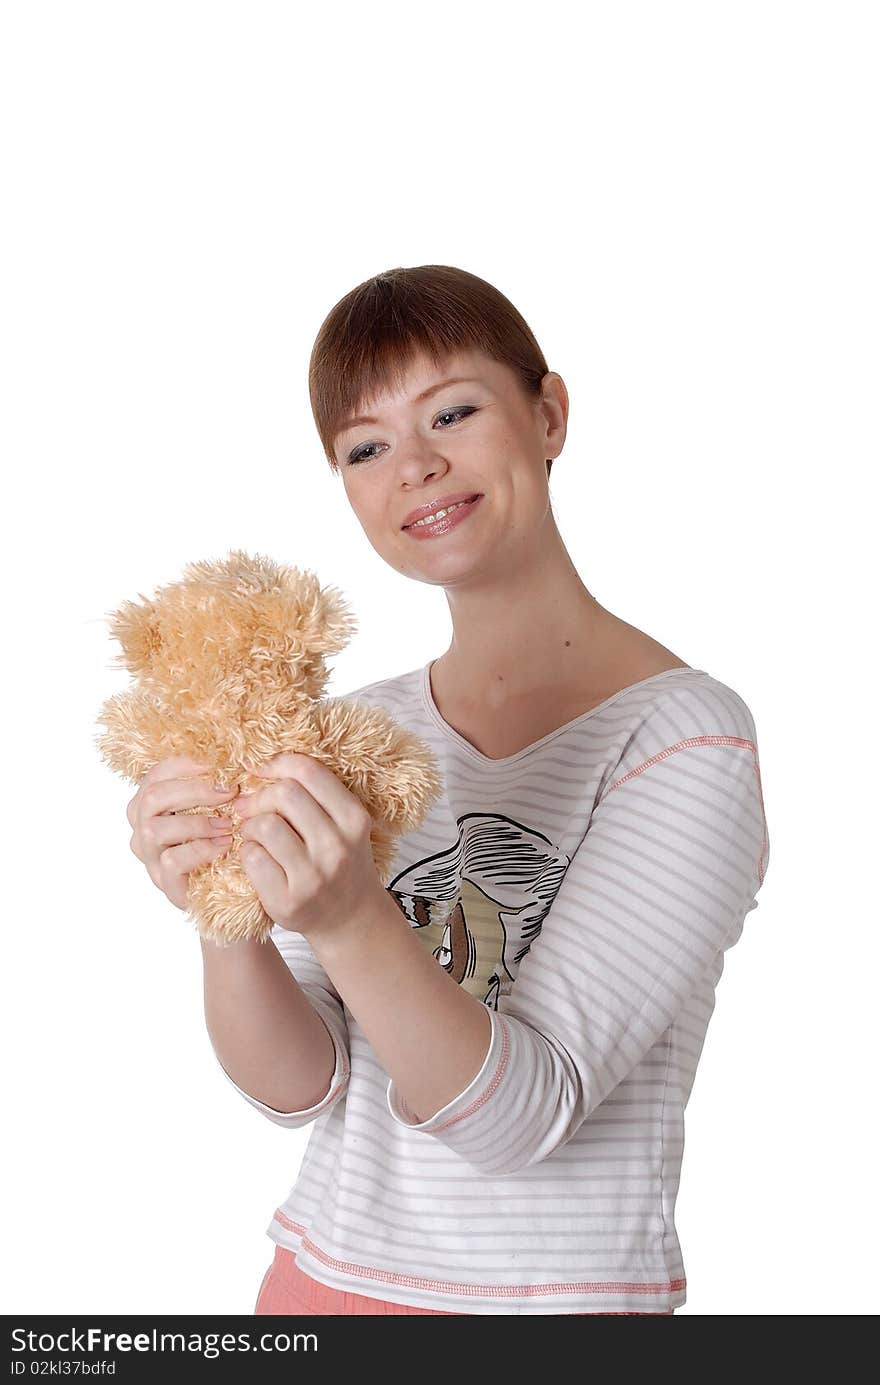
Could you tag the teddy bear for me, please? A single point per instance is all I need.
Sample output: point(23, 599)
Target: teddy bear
point(229, 668)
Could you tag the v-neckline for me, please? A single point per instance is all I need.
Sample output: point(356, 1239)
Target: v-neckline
point(436, 715)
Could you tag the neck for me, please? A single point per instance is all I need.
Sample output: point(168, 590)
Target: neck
point(525, 623)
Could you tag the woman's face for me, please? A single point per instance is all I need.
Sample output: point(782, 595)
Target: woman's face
point(481, 435)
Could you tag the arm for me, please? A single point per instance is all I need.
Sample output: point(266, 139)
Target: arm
point(674, 854)
point(428, 1032)
point(277, 1027)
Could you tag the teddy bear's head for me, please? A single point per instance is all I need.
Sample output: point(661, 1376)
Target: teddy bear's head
point(206, 648)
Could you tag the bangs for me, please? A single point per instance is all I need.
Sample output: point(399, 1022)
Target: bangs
point(373, 336)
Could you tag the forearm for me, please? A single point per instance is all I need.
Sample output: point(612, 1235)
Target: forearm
point(264, 1030)
point(430, 1035)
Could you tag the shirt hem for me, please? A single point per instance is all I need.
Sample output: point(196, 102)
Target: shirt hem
point(556, 1297)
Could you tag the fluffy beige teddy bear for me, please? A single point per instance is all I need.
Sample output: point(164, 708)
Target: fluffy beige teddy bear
point(229, 669)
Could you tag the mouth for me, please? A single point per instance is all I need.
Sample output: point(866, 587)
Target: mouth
point(448, 505)
point(456, 514)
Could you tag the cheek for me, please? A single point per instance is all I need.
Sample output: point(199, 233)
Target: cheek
point(372, 513)
point(362, 504)
point(506, 447)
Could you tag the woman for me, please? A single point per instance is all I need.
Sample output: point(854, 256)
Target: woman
point(497, 1048)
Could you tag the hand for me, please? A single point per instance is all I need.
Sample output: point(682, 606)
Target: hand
point(171, 846)
point(306, 847)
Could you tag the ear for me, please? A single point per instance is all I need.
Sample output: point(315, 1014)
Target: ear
point(335, 622)
point(136, 627)
point(321, 616)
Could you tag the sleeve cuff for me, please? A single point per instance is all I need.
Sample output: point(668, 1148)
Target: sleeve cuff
point(338, 1081)
point(471, 1099)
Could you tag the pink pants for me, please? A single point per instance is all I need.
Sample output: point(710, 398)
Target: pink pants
point(286, 1289)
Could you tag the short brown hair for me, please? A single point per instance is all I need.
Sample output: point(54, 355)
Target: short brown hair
point(368, 340)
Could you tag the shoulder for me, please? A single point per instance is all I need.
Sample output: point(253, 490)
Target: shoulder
point(700, 705)
point(690, 764)
point(684, 713)
point(394, 693)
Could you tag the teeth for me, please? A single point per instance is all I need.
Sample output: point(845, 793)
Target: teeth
point(429, 519)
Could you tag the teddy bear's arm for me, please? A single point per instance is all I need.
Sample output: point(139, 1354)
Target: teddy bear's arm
point(391, 770)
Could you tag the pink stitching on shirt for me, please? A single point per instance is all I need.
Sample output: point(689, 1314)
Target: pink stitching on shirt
point(710, 740)
point(480, 1100)
point(450, 1286)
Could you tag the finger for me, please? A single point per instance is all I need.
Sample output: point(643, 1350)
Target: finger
point(268, 878)
point(176, 861)
point(292, 803)
point(339, 803)
point(168, 795)
point(284, 765)
point(167, 830)
point(279, 837)
point(174, 766)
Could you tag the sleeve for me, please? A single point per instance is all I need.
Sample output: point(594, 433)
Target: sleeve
point(669, 866)
point(313, 979)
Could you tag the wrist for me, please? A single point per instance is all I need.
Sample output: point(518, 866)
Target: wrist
point(378, 912)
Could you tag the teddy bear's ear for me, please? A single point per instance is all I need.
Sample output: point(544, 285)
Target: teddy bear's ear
point(136, 627)
point(335, 622)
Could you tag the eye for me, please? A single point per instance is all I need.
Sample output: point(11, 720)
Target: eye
point(360, 454)
point(456, 413)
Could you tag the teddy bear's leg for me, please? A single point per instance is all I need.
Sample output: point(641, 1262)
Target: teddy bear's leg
point(224, 904)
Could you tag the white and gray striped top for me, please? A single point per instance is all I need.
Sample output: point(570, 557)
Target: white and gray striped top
point(585, 889)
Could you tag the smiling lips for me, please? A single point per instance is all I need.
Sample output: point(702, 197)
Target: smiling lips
point(442, 502)
point(457, 512)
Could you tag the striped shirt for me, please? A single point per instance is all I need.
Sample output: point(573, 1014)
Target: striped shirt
point(585, 890)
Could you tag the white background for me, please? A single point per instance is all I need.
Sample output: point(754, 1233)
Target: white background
point(681, 200)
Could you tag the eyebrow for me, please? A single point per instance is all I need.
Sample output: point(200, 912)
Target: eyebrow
point(432, 389)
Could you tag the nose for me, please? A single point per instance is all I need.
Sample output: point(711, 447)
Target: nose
point(420, 458)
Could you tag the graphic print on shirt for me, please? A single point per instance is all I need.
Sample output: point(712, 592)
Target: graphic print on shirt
point(480, 903)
